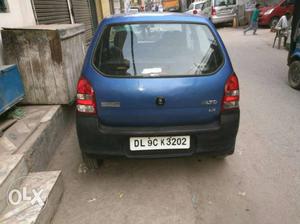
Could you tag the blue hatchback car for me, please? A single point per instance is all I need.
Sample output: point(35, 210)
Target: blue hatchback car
point(156, 85)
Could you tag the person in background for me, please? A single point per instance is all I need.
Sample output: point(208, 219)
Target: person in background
point(283, 23)
point(160, 8)
point(283, 26)
point(153, 8)
point(254, 20)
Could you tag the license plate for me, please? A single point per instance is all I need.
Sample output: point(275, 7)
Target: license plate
point(159, 143)
point(226, 11)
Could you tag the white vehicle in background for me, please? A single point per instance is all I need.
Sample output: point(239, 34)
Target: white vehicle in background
point(196, 7)
point(133, 9)
point(160, 8)
point(220, 11)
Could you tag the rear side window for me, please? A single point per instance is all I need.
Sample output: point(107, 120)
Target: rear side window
point(198, 6)
point(191, 6)
point(157, 50)
point(225, 2)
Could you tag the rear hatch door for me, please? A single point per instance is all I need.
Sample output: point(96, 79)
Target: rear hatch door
point(140, 65)
point(225, 8)
point(160, 101)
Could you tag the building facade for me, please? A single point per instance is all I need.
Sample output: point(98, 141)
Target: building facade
point(20, 13)
point(15, 13)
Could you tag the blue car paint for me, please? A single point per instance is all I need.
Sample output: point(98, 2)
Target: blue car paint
point(296, 53)
point(184, 95)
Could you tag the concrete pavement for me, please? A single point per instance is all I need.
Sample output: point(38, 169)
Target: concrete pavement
point(260, 183)
point(28, 196)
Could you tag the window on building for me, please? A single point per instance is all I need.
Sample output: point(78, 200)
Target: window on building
point(3, 6)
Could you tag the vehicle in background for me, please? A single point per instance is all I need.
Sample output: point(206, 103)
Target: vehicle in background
point(271, 11)
point(294, 54)
point(160, 8)
point(139, 98)
point(220, 11)
point(171, 5)
point(134, 9)
point(195, 8)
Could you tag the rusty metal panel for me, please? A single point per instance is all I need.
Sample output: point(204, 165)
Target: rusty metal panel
point(52, 12)
point(82, 14)
point(50, 59)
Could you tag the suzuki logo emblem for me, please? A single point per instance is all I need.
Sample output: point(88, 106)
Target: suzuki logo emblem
point(160, 101)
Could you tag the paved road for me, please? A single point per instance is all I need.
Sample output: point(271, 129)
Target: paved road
point(260, 183)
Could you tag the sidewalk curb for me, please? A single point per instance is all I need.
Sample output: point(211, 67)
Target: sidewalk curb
point(43, 142)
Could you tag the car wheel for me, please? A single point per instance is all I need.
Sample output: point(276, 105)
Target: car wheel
point(91, 163)
point(274, 22)
point(294, 75)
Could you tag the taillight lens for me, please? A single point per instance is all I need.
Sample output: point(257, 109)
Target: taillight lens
point(195, 12)
point(85, 98)
point(231, 93)
point(213, 11)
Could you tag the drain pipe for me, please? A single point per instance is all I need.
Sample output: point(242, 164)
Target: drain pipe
point(34, 12)
point(71, 11)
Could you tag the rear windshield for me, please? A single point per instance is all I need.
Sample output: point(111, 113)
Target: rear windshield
point(191, 6)
point(225, 2)
point(162, 49)
point(197, 6)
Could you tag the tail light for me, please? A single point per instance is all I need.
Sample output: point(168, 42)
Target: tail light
point(231, 93)
point(213, 11)
point(195, 12)
point(85, 98)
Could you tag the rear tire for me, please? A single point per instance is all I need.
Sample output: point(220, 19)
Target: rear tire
point(91, 163)
point(294, 75)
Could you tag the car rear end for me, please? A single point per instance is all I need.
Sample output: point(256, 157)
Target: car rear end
point(195, 8)
point(223, 11)
point(157, 86)
point(133, 10)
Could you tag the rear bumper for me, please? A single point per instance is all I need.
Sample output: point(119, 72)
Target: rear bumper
point(103, 141)
point(222, 19)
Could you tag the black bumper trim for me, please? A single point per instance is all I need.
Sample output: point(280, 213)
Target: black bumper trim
point(168, 130)
point(97, 139)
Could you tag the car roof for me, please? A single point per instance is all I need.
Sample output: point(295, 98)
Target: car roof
point(154, 17)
